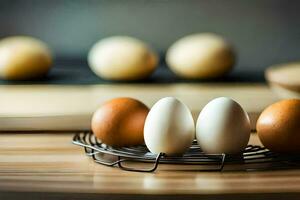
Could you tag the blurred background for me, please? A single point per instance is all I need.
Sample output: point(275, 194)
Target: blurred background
point(263, 32)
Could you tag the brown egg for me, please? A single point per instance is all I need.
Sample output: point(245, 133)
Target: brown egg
point(120, 122)
point(278, 126)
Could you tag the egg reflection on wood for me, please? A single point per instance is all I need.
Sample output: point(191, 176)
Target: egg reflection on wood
point(169, 127)
point(223, 127)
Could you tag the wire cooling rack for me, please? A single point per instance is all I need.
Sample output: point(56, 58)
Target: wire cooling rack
point(139, 159)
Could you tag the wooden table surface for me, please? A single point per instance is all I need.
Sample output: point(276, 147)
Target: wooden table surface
point(49, 166)
point(46, 165)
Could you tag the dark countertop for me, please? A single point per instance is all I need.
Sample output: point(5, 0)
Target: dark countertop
point(77, 72)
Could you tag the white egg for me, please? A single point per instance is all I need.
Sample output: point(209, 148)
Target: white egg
point(169, 127)
point(223, 127)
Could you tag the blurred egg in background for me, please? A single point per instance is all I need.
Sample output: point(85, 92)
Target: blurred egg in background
point(200, 56)
point(24, 58)
point(122, 58)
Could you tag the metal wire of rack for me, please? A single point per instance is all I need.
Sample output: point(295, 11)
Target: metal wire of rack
point(253, 158)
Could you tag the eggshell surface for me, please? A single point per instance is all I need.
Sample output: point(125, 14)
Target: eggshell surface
point(169, 127)
point(120, 122)
point(200, 56)
point(122, 58)
point(24, 58)
point(223, 127)
point(278, 126)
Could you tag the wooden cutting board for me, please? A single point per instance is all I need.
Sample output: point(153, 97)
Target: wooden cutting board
point(70, 107)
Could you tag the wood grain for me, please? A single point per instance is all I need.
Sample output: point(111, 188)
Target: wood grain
point(47, 104)
point(34, 163)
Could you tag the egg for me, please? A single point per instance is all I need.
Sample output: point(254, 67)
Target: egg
point(120, 122)
point(200, 56)
point(223, 127)
point(278, 126)
point(169, 127)
point(23, 58)
point(122, 58)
